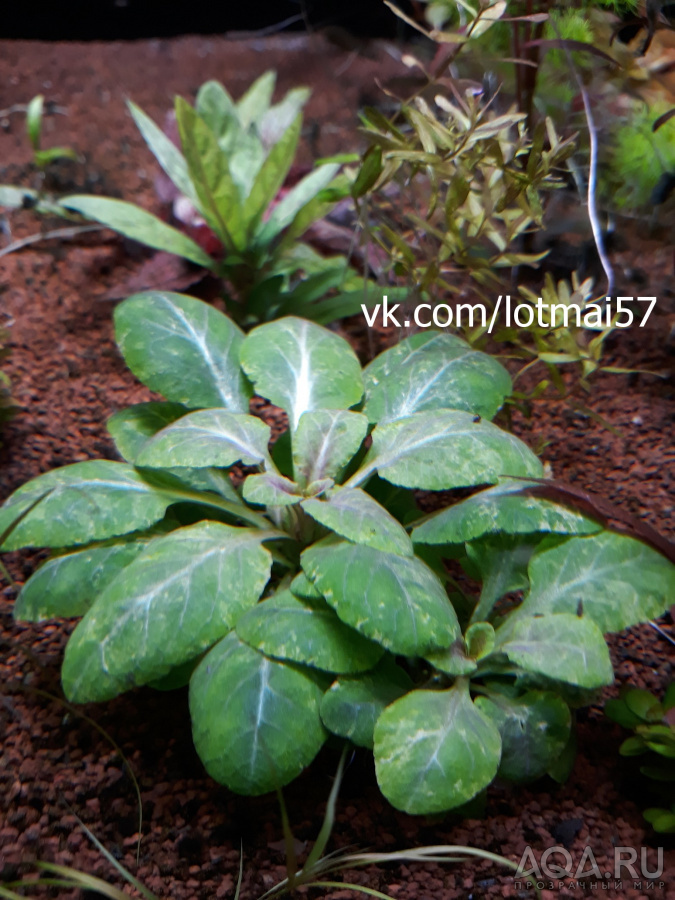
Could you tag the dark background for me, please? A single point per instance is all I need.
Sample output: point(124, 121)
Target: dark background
point(129, 19)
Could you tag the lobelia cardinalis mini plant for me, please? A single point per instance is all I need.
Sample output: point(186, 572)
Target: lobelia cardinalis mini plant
point(308, 595)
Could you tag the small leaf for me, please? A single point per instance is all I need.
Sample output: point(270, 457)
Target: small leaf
point(434, 750)
point(563, 647)
point(270, 489)
point(284, 627)
point(183, 593)
point(433, 371)
point(445, 449)
point(34, 120)
point(452, 660)
point(534, 730)
point(395, 600)
point(87, 501)
point(354, 515)
point(139, 225)
point(325, 442)
point(301, 367)
point(352, 706)
point(255, 721)
point(209, 437)
point(370, 171)
point(503, 508)
point(184, 349)
point(480, 640)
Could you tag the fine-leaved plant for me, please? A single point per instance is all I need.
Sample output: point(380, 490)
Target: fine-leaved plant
point(297, 588)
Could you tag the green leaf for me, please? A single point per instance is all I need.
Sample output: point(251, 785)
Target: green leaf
point(352, 706)
point(503, 508)
point(297, 199)
point(326, 440)
point(284, 627)
point(303, 588)
point(210, 174)
point(452, 660)
point(66, 586)
point(354, 515)
point(617, 711)
point(644, 705)
point(252, 106)
point(274, 123)
point(534, 730)
point(184, 349)
point(139, 225)
point(255, 721)
point(435, 750)
point(480, 640)
point(445, 449)
point(433, 371)
point(272, 174)
point(394, 600)
point(619, 580)
point(501, 561)
point(87, 501)
point(180, 596)
point(561, 646)
point(370, 171)
point(34, 120)
point(209, 437)
point(301, 367)
point(166, 153)
point(130, 428)
point(270, 489)
point(215, 106)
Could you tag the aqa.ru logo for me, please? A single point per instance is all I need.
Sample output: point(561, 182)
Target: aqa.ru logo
point(557, 863)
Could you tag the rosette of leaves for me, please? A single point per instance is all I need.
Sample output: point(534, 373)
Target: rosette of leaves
point(653, 725)
point(232, 167)
point(307, 596)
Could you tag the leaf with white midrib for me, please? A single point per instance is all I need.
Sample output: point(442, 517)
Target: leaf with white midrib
point(180, 595)
point(184, 349)
point(255, 721)
point(301, 366)
point(210, 437)
point(86, 501)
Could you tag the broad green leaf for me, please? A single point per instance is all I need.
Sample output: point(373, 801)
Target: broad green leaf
point(505, 508)
point(184, 349)
point(284, 627)
point(562, 646)
point(270, 489)
point(299, 197)
point(441, 372)
point(445, 449)
point(208, 165)
point(180, 596)
point(209, 437)
point(272, 173)
point(435, 750)
point(352, 706)
point(130, 428)
point(166, 153)
point(253, 105)
point(301, 367)
point(66, 586)
point(354, 515)
point(255, 721)
point(326, 440)
point(618, 580)
point(534, 730)
point(139, 225)
point(84, 502)
point(394, 600)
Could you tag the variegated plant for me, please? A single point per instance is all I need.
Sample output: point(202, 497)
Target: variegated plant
point(296, 586)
